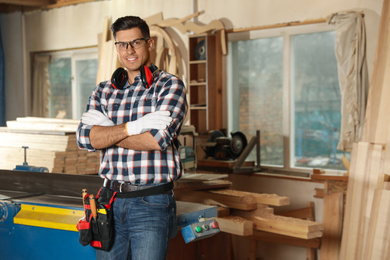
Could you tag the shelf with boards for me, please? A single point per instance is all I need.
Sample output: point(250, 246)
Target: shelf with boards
point(198, 82)
point(205, 84)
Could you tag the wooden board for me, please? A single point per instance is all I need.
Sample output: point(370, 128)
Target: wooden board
point(381, 242)
point(363, 178)
point(287, 240)
point(264, 220)
point(263, 198)
point(377, 121)
point(228, 200)
point(202, 176)
point(332, 222)
point(235, 225)
point(221, 164)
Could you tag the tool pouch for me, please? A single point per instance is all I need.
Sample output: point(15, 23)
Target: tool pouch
point(98, 232)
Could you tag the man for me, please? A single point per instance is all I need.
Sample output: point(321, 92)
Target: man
point(135, 126)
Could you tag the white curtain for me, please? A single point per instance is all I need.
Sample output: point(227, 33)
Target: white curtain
point(350, 51)
point(41, 87)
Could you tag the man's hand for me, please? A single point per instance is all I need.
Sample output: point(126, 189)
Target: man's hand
point(157, 120)
point(94, 117)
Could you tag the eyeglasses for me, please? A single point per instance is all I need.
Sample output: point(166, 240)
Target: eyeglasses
point(135, 44)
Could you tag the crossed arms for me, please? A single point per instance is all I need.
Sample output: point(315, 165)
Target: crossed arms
point(131, 135)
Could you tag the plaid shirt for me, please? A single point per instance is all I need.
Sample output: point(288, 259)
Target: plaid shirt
point(132, 102)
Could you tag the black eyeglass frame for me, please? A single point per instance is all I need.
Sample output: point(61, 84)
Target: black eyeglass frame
point(131, 43)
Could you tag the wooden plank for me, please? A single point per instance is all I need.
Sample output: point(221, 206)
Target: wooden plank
point(319, 193)
point(48, 120)
point(373, 223)
point(381, 241)
point(39, 142)
point(42, 126)
point(224, 199)
point(235, 225)
point(303, 213)
point(222, 164)
point(214, 25)
point(377, 121)
point(364, 175)
point(102, 54)
point(263, 198)
point(154, 19)
point(355, 183)
point(287, 240)
point(202, 176)
point(223, 212)
point(372, 176)
point(265, 221)
point(332, 222)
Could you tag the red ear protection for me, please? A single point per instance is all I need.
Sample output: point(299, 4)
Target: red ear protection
point(146, 76)
point(119, 77)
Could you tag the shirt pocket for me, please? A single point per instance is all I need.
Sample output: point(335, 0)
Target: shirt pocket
point(146, 103)
point(117, 111)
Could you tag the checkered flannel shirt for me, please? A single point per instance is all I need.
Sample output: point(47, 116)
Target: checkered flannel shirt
point(132, 102)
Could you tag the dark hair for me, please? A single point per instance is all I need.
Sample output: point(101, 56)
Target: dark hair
point(129, 22)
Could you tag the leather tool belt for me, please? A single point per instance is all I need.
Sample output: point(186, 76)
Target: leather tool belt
point(127, 190)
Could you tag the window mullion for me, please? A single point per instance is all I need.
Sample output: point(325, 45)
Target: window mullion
point(287, 114)
point(74, 90)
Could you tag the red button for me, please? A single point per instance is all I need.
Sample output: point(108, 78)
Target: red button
point(214, 224)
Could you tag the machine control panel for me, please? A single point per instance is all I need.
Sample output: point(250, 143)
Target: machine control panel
point(200, 230)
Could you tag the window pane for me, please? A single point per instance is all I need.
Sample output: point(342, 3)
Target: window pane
point(86, 71)
point(60, 87)
point(257, 85)
point(316, 101)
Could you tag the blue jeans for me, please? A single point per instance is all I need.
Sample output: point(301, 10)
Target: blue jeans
point(143, 227)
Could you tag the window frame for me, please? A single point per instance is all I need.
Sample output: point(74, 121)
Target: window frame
point(76, 106)
point(288, 98)
point(75, 55)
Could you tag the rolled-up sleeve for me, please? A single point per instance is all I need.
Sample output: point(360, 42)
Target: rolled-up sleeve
point(172, 98)
point(82, 136)
point(83, 130)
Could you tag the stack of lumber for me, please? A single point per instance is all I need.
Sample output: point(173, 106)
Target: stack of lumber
point(51, 143)
point(366, 224)
point(250, 212)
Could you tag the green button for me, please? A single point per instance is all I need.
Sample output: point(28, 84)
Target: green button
point(198, 229)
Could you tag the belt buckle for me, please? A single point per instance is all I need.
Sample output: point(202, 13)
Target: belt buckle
point(120, 186)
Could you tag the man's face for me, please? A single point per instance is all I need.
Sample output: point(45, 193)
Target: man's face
point(133, 58)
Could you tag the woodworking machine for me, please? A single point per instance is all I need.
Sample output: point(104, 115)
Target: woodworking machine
point(39, 212)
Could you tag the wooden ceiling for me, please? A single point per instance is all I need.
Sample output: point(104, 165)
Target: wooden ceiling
point(8, 6)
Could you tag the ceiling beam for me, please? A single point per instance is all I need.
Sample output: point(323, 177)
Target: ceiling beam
point(60, 3)
point(26, 2)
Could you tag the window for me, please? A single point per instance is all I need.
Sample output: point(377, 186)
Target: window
point(72, 76)
point(284, 82)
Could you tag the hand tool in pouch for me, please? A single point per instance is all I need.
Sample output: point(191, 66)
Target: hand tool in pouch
point(96, 228)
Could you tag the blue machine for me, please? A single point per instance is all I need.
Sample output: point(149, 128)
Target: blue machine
point(38, 217)
point(35, 231)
